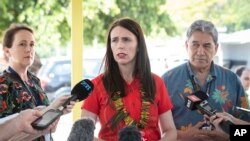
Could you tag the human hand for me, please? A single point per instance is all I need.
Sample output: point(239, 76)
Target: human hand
point(26, 117)
point(24, 136)
point(60, 101)
point(24, 120)
point(227, 117)
point(51, 129)
point(206, 135)
point(216, 121)
point(194, 133)
point(214, 135)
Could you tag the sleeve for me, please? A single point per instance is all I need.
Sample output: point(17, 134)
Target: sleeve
point(7, 118)
point(5, 98)
point(164, 101)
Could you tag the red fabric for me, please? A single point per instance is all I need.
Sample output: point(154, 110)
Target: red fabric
point(97, 103)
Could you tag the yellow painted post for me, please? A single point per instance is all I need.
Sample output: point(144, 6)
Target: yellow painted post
point(77, 49)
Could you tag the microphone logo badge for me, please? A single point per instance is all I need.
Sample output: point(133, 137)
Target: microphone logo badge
point(86, 85)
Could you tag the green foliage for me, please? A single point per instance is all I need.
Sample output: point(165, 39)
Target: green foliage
point(235, 15)
point(50, 18)
point(230, 14)
point(46, 17)
point(99, 15)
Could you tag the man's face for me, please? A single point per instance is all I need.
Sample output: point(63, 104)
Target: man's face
point(201, 49)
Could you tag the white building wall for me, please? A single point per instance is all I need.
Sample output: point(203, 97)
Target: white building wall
point(239, 52)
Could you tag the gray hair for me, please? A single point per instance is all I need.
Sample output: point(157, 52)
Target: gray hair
point(203, 26)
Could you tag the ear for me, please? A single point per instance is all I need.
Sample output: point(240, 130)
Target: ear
point(216, 48)
point(6, 51)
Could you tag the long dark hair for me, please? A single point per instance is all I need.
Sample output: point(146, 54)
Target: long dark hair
point(112, 78)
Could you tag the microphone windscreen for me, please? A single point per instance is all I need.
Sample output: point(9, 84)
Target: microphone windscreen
point(129, 133)
point(82, 89)
point(82, 130)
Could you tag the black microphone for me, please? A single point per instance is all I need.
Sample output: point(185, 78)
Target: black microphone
point(193, 103)
point(79, 92)
point(82, 130)
point(202, 95)
point(129, 133)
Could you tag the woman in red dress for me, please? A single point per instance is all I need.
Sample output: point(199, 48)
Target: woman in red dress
point(127, 93)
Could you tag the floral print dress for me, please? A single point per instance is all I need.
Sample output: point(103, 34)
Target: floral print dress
point(17, 95)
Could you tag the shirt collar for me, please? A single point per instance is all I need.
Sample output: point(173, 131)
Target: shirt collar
point(212, 74)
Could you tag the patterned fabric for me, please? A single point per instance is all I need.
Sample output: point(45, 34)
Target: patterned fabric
point(97, 103)
point(223, 87)
point(15, 97)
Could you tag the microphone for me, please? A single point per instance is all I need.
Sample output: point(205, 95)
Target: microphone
point(241, 109)
point(129, 133)
point(194, 103)
point(79, 92)
point(202, 95)
point(82, 130)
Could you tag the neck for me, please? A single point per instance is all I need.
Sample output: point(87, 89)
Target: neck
point(22, 72)
point(201, 74)
point(127, 73)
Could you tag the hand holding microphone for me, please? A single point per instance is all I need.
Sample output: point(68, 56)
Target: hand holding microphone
point(57, 104)
point(198, 100)
point(80, 91)
point(194, 102)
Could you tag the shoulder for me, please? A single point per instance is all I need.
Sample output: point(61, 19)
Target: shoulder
point(97, 79)
point(158, 80)
point(156, 77)
point(35, 78)
point(5, 77)
point(181, 69)
point(221, 71)
point(5, 83)
point(98, 83)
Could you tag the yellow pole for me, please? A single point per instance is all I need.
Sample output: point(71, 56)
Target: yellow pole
point(77, 49)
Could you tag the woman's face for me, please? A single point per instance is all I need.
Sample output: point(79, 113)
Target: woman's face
point(22, 50)
point(245, 79)
point(123, 45)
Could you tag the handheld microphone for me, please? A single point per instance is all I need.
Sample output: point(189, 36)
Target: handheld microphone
point(129, 133)
point(193, 103)
point(241, 109)
point(198, 101)
point(202, 95)
point(82, 130)
point(79, 92)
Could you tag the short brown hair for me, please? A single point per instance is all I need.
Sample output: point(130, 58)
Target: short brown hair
point(10, 33)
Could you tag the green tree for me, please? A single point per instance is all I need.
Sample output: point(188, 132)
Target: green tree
point(231, 14)
point(50, 19)
point(234, 15)
point(47, 18)
point(98, 15)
